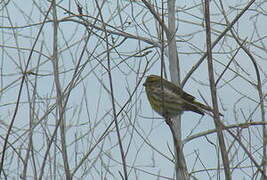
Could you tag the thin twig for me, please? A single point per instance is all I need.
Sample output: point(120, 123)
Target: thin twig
point(24, 74)
point(123, 157)
point(217, 123)
point(260, 92)
point(211, 131)
point(60, 109)
point(192, 70)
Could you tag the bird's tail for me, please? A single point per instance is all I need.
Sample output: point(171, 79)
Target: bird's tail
point(207, 108)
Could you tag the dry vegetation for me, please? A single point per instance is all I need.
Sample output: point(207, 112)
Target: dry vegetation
point(73, 105)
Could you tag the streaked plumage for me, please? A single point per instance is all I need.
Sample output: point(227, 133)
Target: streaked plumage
point(169, 100)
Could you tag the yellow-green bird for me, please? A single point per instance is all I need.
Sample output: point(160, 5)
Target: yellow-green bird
point(169, 100)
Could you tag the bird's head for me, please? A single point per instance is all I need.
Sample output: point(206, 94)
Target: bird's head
point(151, 79)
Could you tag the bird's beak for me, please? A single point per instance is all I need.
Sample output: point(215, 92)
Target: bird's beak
point(144, 84)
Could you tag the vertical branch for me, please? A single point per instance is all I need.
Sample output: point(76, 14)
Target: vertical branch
point(173, 57)
point(175, 126)
point(262, 109)
point(32, 106)
point(180, 164)
point(192, 70)
point(123, 157)
point(218, 125)
point(59, 98)
point(20, 92)
point(260, 92)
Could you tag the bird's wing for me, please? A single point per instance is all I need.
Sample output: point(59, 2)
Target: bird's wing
point(177, 90)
